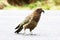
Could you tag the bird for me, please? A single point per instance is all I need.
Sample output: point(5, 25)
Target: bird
point(30, 21)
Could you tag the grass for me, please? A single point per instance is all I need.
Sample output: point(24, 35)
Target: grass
point(35, 5)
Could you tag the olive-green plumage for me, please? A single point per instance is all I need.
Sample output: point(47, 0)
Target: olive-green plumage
point(31, 21)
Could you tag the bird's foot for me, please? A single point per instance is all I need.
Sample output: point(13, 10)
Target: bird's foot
point(31, 33)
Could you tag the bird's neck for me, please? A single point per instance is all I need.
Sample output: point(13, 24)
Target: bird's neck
point(37, 14)
point(36, 17)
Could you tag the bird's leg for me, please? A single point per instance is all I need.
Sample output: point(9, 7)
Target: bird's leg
point(30, 32)
point(24, 31)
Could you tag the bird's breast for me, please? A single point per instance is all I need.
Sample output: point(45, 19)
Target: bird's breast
point(36, 18)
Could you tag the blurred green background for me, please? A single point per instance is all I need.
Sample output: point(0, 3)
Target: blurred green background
point(45, 4)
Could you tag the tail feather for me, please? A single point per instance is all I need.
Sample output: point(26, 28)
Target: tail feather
point(17, 26)
point(19, 29)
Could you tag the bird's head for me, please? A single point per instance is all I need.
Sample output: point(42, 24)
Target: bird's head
point(39, 10)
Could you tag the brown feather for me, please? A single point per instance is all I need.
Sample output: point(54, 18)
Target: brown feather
point(32, 20)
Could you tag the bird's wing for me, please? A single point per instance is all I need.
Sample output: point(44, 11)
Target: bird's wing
point(27, 19)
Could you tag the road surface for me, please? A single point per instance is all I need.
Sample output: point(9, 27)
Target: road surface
point(48, 27)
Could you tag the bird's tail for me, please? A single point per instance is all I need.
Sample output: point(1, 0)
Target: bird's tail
point(19, 28)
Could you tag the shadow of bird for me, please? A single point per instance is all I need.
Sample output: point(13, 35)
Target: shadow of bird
point(31, 21)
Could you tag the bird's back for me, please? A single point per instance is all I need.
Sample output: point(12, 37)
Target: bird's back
point(33, 23)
